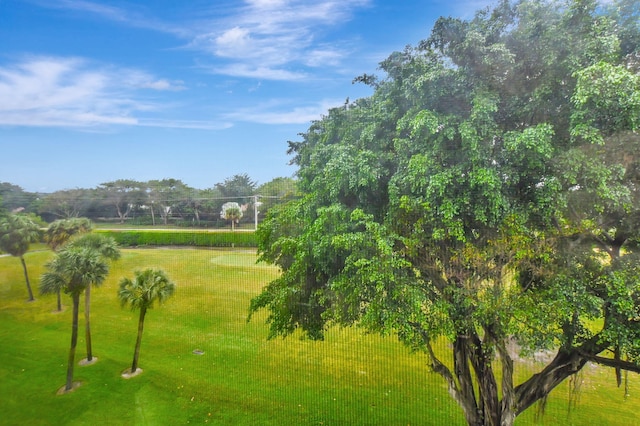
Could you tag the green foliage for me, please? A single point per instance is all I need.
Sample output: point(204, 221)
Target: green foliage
point(133, 238)
point(17, 232)
point(145, 289)
point(60, 231)
point(103, 244)
point(73, 270)
point(237, 186)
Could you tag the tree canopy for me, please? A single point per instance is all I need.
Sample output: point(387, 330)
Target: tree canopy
point(17, 232)
point(487, 193)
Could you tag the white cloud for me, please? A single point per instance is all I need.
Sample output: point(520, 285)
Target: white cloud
point(70, 92)
point(275, 36)
point(258, 72)
point(253, 39)
point(277, 112)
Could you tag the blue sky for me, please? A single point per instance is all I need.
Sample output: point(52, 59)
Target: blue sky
point(94, 91)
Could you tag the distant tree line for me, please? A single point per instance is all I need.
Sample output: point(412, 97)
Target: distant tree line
point(155, 202)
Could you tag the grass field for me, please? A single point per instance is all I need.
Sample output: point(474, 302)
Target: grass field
point(240, 378)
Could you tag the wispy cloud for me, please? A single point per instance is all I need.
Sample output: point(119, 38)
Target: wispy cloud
point(282, 112)
point(129, 17)
point(277, 39)
point(71, 92)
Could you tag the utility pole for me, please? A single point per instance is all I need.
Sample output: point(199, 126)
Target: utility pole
point(255, 212)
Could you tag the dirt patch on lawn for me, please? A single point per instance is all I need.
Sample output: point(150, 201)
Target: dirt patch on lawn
point(85, 361)
point(74, 386)
point(127, 374)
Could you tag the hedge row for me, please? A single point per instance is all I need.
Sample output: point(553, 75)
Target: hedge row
point(132, 238)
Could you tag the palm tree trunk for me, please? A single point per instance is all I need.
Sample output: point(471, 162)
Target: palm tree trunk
point(59, 301)
point(136, 353)
point(87, 305)
point(74, 341)
point(26, 277)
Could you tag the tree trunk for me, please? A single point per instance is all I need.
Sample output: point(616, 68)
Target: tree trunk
point(487, 384)
point(87, 328)
point(26, 277)
point(466, 397)
point(136, 353)
point(479, 398)
point(59, 300)
point(74, 341)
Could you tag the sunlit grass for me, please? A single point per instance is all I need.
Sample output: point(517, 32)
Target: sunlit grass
point(240, 378)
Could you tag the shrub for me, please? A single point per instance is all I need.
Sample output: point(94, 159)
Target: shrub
point(132, 238)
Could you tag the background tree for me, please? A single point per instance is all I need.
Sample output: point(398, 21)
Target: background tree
point(73, 270)
point(466, 200)
point(13, 198)
point(124, 195)
point(237, 186)
point(107, 249)
point(276, 191)
point(240, 188)
point(211, 200)
point(232, 212)
point(141, 293)
point(17, 232)
point(169, 196)
point(66, 204)
point(59, 232)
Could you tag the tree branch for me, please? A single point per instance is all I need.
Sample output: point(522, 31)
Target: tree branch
point(613, 363)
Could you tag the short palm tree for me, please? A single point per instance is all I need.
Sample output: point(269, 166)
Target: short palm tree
point(60, 232)
point(16, 233)
point(231, 211)
point(108, 249)
point(140, 293)
point(73, 270)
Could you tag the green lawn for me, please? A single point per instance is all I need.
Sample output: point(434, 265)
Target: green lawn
point(241, 378)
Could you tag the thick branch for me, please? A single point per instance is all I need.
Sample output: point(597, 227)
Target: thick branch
point(567, 361)
point(613, 363)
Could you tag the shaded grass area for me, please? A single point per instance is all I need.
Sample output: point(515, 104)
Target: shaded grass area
point(240, 378)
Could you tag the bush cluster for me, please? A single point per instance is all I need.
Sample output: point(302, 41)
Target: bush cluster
point(132, 238)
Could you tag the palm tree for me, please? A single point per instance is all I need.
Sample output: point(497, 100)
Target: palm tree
point(73, 270)
point(140, 293)
point(107, 248)
point(60, 232)
point(231, 211)
point(16, 233)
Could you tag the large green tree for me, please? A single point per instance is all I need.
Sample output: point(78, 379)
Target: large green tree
point(74, 269)
point(140, 293)
point(60, 231)
point(17, 232)
point(486, 194)
point(107, 249)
